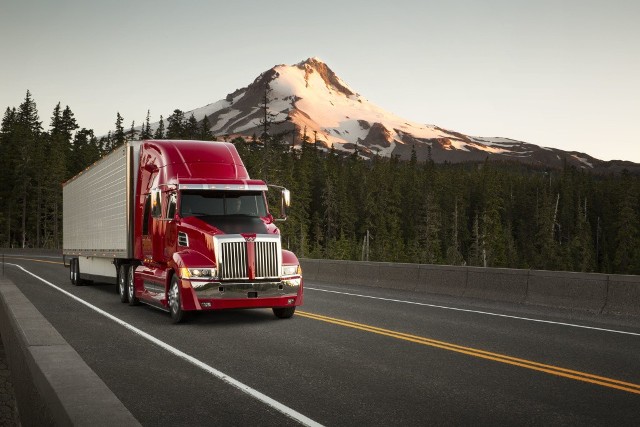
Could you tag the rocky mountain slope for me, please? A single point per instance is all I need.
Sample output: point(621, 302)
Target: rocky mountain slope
point(309, 99)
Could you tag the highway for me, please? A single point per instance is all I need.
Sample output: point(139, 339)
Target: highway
point(351, 355)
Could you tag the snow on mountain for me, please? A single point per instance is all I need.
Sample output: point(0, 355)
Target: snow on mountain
point(310, 98)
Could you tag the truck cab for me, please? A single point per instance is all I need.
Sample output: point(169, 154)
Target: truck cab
point(204, 237)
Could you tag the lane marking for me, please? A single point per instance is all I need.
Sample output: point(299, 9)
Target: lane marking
point(497, 357)
point(34, 255)
point(32, 259)
point(289, 412)
point(487, 313)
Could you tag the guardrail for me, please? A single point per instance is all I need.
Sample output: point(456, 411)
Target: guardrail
point(592, 292)
point(53, 385)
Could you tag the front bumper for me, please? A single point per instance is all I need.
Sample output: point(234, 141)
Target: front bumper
point(211, 295)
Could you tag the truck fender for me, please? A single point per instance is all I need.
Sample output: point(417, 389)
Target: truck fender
point(289, 258)
point(184, 259)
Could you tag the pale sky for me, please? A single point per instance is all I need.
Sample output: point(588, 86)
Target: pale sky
point(562, 74)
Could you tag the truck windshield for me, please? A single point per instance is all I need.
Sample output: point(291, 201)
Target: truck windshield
point(222, 203)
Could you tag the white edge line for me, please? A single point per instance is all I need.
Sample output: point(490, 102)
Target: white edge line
point(291, 413)
point(487, 313)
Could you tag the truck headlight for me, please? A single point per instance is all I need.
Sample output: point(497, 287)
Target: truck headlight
point(290, 270)
point(198, 273)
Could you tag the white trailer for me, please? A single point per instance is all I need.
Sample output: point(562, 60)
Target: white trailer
point(98, 215)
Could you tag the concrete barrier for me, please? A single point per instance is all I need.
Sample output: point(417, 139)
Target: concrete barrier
point(593, 292)
point(583, 291)
point(623, 295)
point(310, 268)
point(333, 271)
point(361, 273)
point(404, 277)
point(442, 279)
point(497, 284)
point(53, 385)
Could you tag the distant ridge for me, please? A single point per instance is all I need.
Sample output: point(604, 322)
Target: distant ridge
point(313, 99)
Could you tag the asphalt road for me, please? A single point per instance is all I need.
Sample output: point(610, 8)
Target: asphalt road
point(351, 356)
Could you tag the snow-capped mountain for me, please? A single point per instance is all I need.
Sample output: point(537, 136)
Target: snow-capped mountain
point(310, 98)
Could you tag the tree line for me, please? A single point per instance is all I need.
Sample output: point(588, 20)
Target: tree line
point(493, 214)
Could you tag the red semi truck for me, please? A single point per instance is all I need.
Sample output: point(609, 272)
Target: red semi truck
point(179, 225)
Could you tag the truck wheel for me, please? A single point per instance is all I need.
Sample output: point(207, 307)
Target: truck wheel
point(177, 314)
point(284, 312)
point(122, 282)
point(131, 291)
point(71, 277)
point(74, 271)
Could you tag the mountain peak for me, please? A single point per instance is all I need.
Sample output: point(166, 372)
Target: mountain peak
point(330, 78)
point(311, 61)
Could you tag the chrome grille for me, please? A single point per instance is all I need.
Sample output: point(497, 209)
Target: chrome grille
point(233, 260)
point(267, 260)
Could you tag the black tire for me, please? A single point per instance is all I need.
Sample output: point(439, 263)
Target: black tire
point(131, 295)
point(284, 312)
point(74, 272)
point(123, 275)
point(175, 307)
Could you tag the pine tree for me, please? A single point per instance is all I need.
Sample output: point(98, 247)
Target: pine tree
point(28, 166)
point(204, 133)
point(176, 125)
point(159, 134)
point(145, 131)
point(191, 128)
point(626, 258)
point(581, 248)
point(58, 146)
point(8, 151)
point(119, 136)
point(132, 131)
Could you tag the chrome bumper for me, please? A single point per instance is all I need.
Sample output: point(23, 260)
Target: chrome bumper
point(239, 290)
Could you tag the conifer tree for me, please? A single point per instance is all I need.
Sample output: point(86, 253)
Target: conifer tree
point(626, 258)
point(176, 125)
point(204, 133)
point(159, 134)
point(132, 131)
point(145, 130)
point(29, 160)
point(119, 137)
point(191, 128)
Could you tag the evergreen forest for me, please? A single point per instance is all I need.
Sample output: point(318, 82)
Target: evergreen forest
point(344, 206)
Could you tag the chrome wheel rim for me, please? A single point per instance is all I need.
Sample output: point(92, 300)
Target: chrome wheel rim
point(121, 283)
point(130, 284)
point(173, 298)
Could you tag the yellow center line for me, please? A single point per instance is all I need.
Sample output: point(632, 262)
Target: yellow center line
point(502, 358)
point(33, 259)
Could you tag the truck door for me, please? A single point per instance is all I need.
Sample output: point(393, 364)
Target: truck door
point(171, 229)
point(158, 226)
point(147, 247)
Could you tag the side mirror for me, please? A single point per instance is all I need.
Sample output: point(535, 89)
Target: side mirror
point(285, 202)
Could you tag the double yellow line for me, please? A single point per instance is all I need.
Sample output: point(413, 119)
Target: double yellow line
point(496, 357)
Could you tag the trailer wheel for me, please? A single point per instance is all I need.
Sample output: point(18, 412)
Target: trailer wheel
point(74, 272)
point(284, 312)
point(131, 290)
point(122, 282)
point(177, 314)
point(71, 261)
